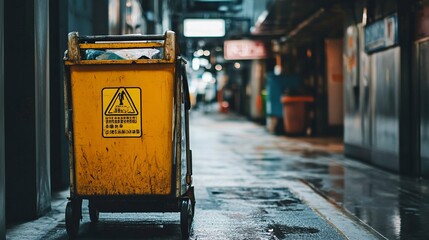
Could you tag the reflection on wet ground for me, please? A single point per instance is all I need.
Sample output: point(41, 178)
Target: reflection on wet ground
point(277, 208)
point(396, 207)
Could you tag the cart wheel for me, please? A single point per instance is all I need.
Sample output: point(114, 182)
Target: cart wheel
point(93, 213)
point(73, 215)
point(186, 216)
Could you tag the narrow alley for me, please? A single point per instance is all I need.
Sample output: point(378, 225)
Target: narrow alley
point(214, 119)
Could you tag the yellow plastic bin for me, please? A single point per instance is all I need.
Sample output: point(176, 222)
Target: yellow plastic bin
point(127, 124)
point(295, 114)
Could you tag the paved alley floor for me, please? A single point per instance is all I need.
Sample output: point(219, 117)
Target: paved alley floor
point(250, 184)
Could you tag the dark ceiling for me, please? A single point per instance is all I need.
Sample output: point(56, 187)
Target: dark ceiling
point(287, 20)
point(302, 20)
point(215, 5)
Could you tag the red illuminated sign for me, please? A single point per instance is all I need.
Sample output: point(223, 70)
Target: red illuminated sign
point(244, 50)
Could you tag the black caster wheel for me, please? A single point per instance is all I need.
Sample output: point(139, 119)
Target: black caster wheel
point(186, 216)
point(93, 213)
point(73, 216)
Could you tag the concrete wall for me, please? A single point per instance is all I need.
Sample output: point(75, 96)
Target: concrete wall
point(57, 45)
point(100, 20)
point(87, 17)
point(26, 101)
point(42, 113)
point(80, 16)
point(2, 184)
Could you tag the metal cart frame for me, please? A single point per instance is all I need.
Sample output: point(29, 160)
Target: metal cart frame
point(181, 197)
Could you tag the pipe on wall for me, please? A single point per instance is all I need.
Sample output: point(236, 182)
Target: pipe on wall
point(2, 179)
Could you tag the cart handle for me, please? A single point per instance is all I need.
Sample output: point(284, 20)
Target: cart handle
point(185, 84)
point(77, 43)
point(114, 38)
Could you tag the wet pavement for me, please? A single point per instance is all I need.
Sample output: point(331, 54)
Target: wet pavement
point(250, 184)
point(396, 207)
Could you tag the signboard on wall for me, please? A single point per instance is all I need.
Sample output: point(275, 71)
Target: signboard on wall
point(244, 50)
point(204, 27)
point(381, 34)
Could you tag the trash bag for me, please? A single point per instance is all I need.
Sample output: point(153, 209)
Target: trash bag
point(109, 56)
point(92, 54)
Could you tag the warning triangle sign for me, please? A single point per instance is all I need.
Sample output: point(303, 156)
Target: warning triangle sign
point(121, 104)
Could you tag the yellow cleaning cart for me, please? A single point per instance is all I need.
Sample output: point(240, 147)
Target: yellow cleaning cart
point(127, 123)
